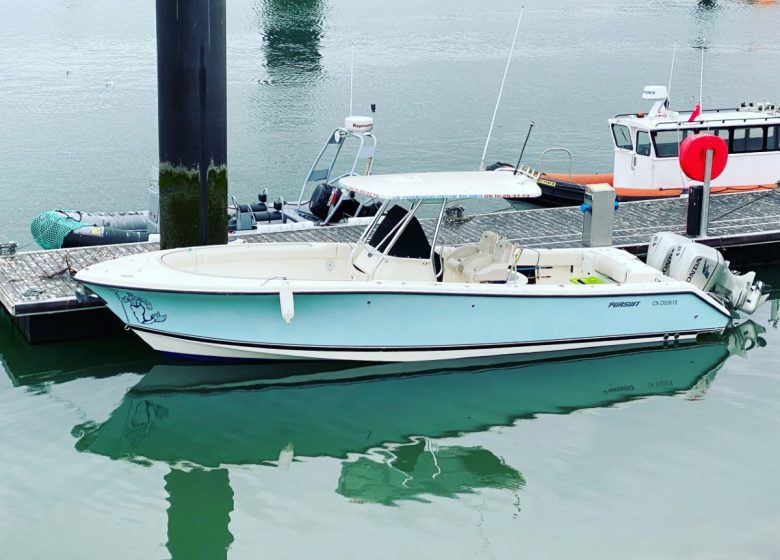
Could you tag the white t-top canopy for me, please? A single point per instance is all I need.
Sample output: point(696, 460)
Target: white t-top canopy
point(449, 185)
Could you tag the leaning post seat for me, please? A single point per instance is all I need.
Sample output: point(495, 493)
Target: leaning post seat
point(491, 267)
point(487, 244)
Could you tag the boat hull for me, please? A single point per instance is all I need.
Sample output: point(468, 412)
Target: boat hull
point(183, 345)
point(397, 324)
point(561, 190)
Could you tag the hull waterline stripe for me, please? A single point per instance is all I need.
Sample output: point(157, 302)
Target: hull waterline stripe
point(439, 348)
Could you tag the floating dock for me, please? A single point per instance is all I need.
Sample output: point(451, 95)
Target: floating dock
point(38, 291)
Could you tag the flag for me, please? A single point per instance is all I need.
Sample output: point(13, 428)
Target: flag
point(695, 113)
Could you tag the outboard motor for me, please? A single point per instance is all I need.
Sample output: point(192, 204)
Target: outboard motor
point(323, 199)
point(683, 259)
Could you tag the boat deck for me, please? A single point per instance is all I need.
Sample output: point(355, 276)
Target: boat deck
point(40, 282)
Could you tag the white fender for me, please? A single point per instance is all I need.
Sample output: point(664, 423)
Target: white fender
point(286, 456)
point(287, 302)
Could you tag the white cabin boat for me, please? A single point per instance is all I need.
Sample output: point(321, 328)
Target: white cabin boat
point(400, 294)
point(646, 163)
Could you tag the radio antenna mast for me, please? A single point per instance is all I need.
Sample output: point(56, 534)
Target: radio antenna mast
point(351, 74)
point(671, 73)
point(701, 76)
point(501, 91)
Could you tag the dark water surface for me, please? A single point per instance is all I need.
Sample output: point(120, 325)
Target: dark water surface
point(109, 451)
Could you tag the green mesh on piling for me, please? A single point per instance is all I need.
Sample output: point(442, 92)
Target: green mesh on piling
point(49, 229)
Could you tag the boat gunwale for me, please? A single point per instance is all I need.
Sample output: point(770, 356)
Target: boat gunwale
point(506, 291)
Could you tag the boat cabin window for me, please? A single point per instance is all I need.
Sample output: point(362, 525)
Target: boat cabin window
point(747, 139)
point(723, 133)
point(411, 244)
point(622, 137)
point(739, 140)
point(667, 142)
point(642, 143)
point(772, 136)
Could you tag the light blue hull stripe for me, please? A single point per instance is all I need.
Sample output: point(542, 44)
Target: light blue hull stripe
point(411, 320)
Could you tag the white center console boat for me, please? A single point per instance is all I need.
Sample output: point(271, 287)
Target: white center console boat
point(400, 294)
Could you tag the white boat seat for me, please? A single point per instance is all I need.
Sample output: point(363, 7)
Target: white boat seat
point(491, 267)
point(487, 244)
point(622, 267)
point(553, 257)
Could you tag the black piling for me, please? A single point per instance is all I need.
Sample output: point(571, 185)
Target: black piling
point(192, 116)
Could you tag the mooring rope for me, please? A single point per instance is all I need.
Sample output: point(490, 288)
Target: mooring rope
point(748, 203)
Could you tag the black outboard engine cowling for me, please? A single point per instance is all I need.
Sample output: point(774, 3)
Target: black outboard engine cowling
point(322, 199)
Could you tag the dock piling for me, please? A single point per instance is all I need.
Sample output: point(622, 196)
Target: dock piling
point(192, 116)
point(705, 203)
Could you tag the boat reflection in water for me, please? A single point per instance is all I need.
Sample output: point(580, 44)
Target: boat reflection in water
point(412, 471)
point(213, 415)
point(202, 419)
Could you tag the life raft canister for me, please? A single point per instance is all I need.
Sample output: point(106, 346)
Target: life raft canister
point(693, 155)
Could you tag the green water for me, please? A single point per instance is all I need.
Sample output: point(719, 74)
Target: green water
point(109, 451)
point(112, 452)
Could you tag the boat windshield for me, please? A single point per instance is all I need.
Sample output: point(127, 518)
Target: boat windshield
point(622, 137)
point(411, 243)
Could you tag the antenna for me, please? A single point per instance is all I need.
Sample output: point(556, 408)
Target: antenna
point(671, 73)
point(500, 91)
point(522, 151)
point(351, 74)
point(701, 77)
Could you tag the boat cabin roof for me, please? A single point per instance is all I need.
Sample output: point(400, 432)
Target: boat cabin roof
point(449, 185)
point(707, 118)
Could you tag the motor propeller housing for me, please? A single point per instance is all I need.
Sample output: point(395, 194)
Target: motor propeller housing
point(683, 259)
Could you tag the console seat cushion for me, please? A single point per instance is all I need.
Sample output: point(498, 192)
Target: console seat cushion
point(623, 267)
point(487, 243)
point(491, 267)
